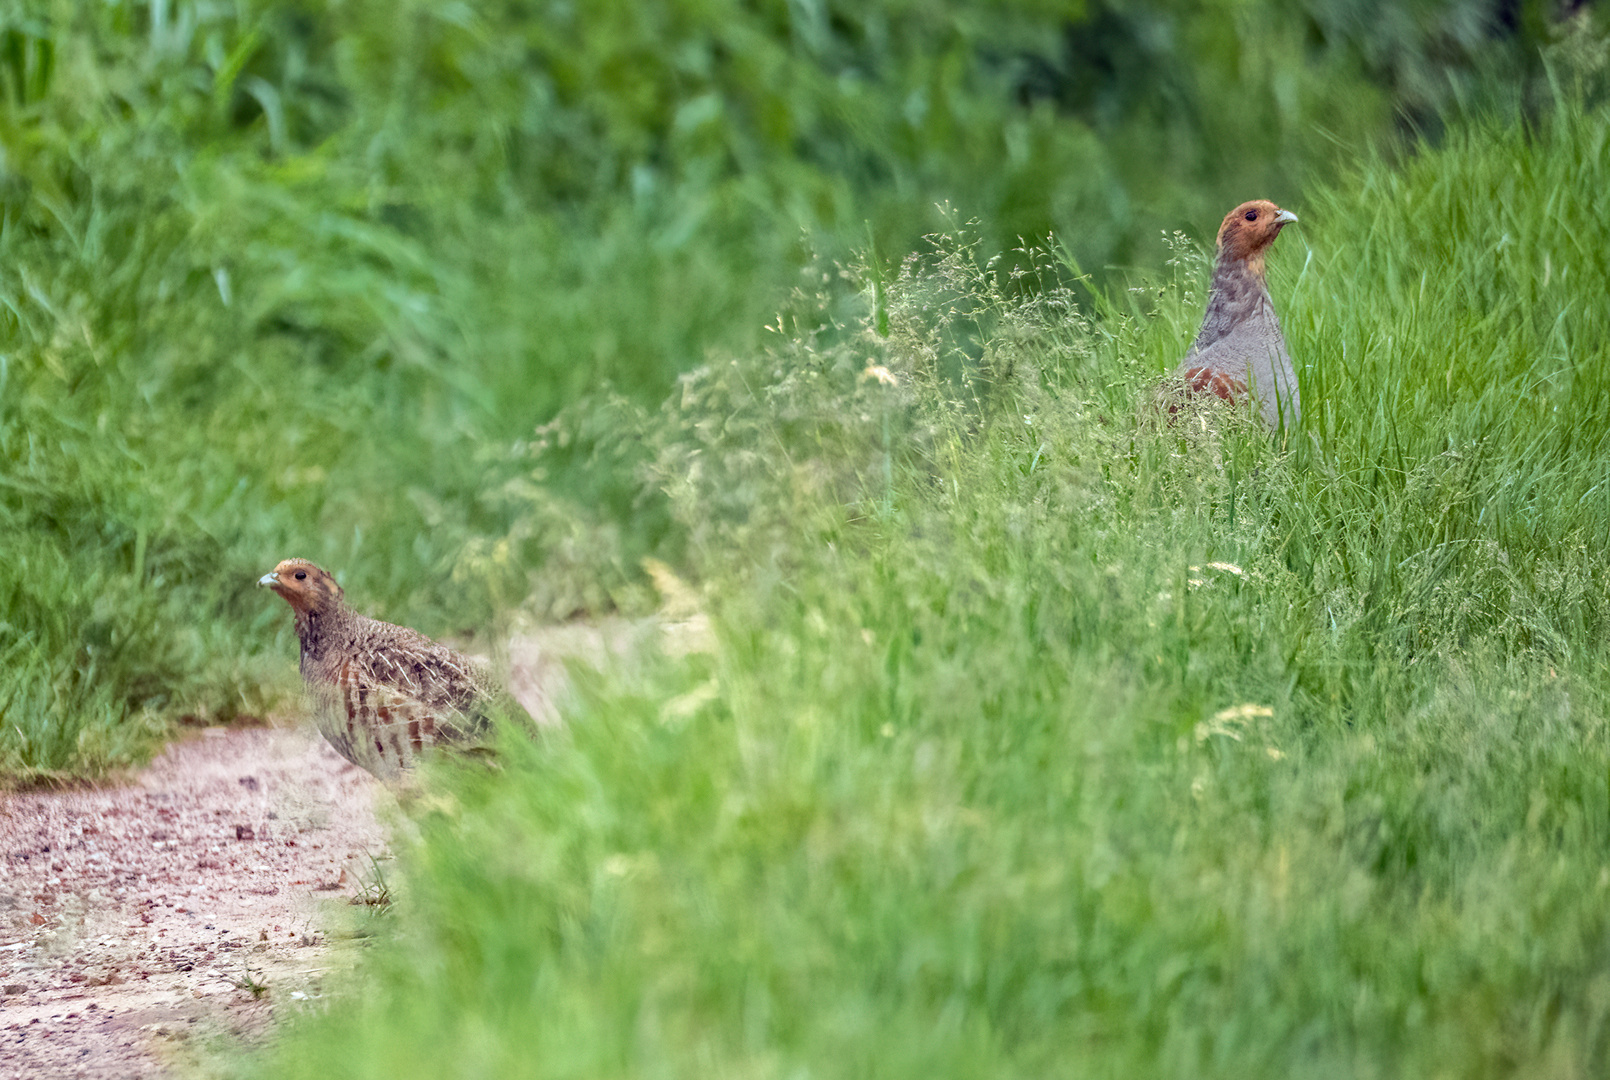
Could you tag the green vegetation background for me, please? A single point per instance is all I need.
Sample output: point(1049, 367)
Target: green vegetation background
point(1035, 736)
point(282, 278)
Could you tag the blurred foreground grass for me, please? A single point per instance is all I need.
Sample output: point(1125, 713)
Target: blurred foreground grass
point(1041, 737)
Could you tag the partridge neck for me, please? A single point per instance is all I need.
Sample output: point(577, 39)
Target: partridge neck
point(314, 631)
point(1237, 292)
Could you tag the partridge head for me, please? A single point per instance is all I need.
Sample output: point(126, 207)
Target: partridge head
point(1240, 352)
point(382, 695)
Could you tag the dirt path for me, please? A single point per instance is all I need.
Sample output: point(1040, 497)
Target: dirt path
point(134, 918)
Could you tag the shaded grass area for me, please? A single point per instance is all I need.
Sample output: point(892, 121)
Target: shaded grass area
point(1043, 736)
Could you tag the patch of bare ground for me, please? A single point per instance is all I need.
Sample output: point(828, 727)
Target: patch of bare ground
point(189, 900)
point(141, 919)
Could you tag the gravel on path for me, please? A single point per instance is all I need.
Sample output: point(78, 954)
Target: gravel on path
point(190, 900)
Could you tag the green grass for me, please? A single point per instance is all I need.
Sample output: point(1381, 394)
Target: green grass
point(1040, 736)
point(1046, 737)
point(232, 335)
point(291, 277)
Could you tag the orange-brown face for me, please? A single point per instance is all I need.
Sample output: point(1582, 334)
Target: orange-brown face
point(309, 590)
point(1250, 228)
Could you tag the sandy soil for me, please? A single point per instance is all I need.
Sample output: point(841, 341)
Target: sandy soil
point(135, 917)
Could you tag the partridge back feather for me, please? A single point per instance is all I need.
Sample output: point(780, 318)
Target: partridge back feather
point(1240, 351)
point(382, 695)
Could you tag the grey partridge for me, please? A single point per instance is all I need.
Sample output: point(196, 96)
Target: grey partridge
point(381, 694)
point(1240, 351)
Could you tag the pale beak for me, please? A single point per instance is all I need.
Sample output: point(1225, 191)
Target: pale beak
point(1285, 217)
point(270, 578)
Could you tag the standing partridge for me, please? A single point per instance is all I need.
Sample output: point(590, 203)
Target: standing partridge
point(381, 694)
point(1240, 351)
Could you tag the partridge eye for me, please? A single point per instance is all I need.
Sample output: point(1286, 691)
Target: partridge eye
point(1252, 215)
point(301, 575)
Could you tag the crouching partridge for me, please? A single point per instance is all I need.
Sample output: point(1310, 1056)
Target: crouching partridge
point(1240, 352)
point(381, 694)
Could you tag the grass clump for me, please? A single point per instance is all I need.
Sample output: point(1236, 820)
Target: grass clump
point(1045, 736)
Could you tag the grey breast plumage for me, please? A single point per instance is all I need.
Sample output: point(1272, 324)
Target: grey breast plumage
point(1240, 350)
